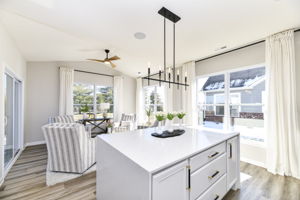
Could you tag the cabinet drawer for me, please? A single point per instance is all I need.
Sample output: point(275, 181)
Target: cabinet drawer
point(202, 158)
point(216, 192)
point(204, 177)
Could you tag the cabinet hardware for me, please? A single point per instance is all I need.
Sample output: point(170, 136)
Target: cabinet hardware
point(189, 177)
point(213, 155)
point(230, 150)
point(217, 197)
point(215, 174)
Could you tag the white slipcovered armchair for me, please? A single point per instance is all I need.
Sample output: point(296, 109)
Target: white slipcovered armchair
point(70, 147)
point(127, 123)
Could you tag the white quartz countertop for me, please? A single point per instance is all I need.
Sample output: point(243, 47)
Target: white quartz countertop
point(154, 154)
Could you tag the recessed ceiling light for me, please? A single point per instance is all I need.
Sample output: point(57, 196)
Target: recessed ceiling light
point(140, 35)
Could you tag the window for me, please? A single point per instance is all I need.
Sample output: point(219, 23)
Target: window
point(211, 101)
point(88, 97)
point(154, 98)
point(234, 100)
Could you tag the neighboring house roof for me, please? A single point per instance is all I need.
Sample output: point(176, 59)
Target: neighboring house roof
point(240, 80)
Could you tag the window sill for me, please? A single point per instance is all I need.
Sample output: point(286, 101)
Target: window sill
point(253, 143)
point(242, 140)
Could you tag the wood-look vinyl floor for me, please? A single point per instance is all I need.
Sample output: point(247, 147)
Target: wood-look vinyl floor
point(27, 180)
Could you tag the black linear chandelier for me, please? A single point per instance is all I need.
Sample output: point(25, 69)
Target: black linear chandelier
point(168, 79)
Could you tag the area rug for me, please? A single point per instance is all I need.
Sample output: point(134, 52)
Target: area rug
point(53, 178)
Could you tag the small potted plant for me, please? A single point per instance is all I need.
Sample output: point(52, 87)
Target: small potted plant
point(170, 117)
point(180, 116)
point(149, 113)
point(84, 110)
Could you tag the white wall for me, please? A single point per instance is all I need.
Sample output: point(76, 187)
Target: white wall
point(43, 92)
point(241, 58)
point(12, 60)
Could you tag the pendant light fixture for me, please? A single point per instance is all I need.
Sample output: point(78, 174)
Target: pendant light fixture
point(169, 75)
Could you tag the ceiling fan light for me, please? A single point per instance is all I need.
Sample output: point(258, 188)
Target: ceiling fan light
point(106, 62)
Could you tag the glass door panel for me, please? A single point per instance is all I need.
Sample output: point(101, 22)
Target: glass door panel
point(8, 119)
point(17, 116)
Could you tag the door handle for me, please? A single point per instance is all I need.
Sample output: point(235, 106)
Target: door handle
point(189, 177)
point(215, 174)
point(5, 121)
point(230, 150)
point(213, 155)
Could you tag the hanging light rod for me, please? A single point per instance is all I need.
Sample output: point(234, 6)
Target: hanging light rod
point(167, 78)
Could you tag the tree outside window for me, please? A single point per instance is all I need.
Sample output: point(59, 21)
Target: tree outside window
point(88, 97)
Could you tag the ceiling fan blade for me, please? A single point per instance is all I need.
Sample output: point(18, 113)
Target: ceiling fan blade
point(96, 60)
point(114, 58)
point(112, 64)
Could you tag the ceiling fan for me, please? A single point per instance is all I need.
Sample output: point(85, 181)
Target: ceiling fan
point(107, 60)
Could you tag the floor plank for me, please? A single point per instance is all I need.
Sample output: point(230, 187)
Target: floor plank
point(27, 180)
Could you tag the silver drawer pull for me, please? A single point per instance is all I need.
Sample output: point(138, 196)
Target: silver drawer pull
point(213, 155)
point(217, 197)
point(215, 174)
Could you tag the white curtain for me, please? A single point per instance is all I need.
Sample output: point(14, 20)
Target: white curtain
point(118, 98)
point(168, 97)
point(283, 151)
point(66, 91)
point(140, 104)
point(189, 95)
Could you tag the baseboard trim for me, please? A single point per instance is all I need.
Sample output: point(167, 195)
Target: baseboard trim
point(253, 162)
point(34, 143)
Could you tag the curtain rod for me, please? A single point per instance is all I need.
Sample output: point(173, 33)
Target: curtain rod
point(242, 47)
point(93, 73)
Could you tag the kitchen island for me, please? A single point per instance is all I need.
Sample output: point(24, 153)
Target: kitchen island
point(197, 165)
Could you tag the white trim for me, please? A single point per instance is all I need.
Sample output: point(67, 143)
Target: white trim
point(34, 143)
point(8, 72)
point(253, 162)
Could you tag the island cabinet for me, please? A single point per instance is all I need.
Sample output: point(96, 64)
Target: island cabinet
point(205, 176)
point(201, 166)
point(172, 183)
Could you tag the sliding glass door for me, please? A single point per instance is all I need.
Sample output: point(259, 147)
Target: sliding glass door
point(12, 89)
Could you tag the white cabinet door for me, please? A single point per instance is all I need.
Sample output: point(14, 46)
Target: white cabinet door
point(232, 162)
point(172, 183)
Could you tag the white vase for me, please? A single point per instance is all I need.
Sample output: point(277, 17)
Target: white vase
point(159, 129)
point(180, 123)
point(84, 116)
point(169, 124)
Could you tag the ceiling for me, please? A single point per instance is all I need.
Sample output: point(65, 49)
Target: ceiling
point(74, 30)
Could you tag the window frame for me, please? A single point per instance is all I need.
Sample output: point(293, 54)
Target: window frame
point(155, 105)
point(95, 112)
point(227, 104)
